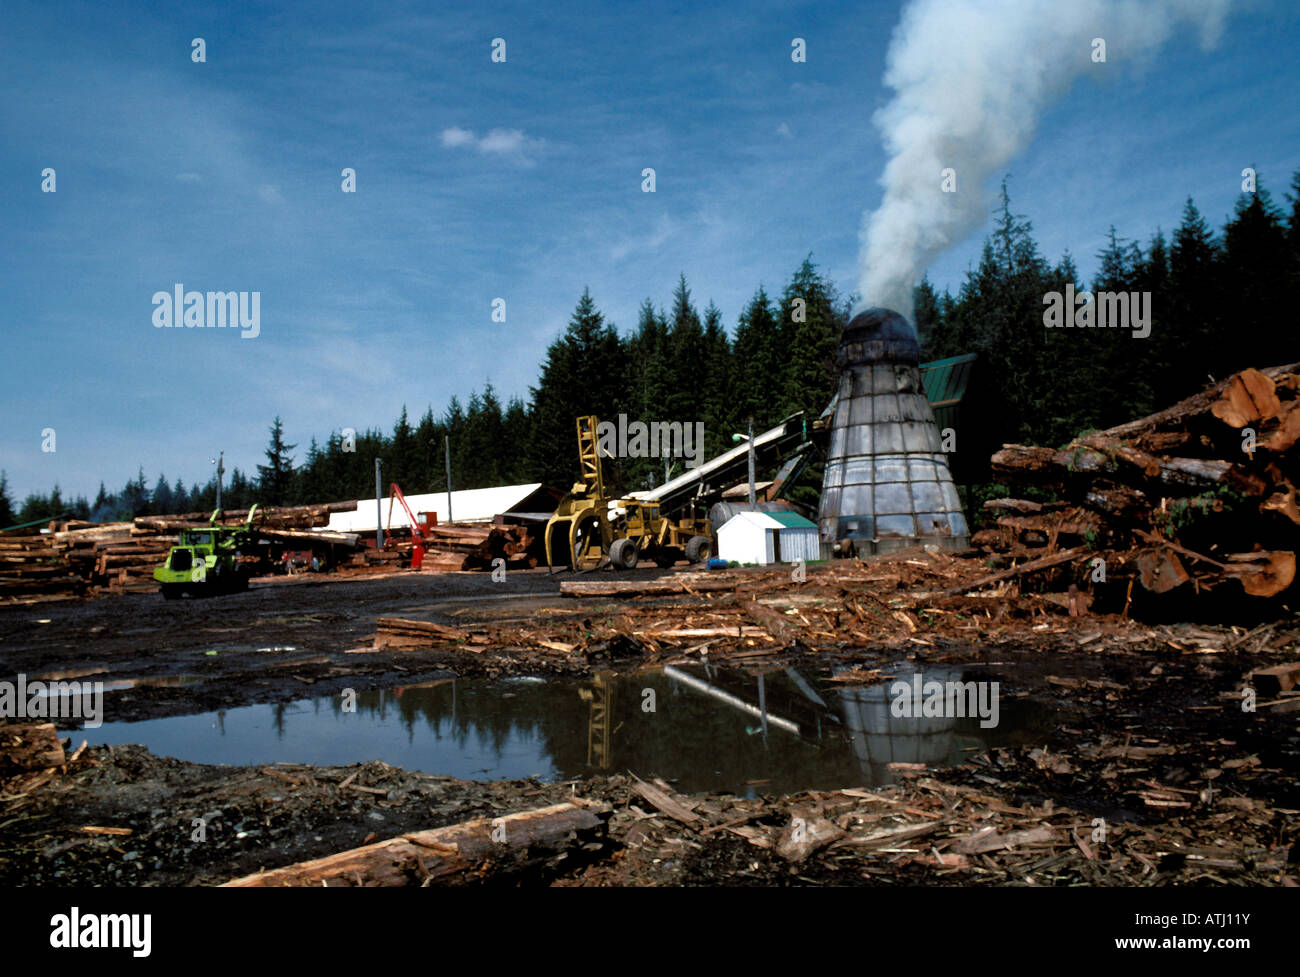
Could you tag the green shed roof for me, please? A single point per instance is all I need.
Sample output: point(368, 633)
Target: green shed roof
point(945, 381)
point(791, 520)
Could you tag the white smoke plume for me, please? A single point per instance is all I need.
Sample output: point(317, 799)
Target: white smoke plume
point(971, 79)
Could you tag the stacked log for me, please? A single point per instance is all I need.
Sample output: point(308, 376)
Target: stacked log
point(1197, 495)
point(516, 545)
point(449, 546)
point(86, 558)
point(464, 546)
point(271, 517)
point(30, 565)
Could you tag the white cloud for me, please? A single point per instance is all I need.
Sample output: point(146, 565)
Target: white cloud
point(502, 141)
point(784, 130)
point(188, 178)
point(456, 136)
point(270, 193)
point(511, 143)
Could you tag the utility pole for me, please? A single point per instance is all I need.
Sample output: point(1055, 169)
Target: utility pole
point(379, 508)
point(752, 498)
point(446, 440)
point(220, 462)
point(750, 439)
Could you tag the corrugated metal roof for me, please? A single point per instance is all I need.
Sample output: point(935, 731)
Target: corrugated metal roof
point(945, 381)
point(468, 505)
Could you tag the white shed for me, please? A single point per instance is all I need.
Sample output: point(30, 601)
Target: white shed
point(768, 537)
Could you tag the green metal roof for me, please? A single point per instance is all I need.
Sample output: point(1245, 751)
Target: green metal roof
point(791, 520)
point(945, 381)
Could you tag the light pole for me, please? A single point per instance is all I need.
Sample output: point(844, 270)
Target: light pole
point(750, 438)
point(220, 462)
point(446, 440)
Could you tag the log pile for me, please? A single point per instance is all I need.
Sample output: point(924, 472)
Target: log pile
point(271, 517)
point(453, 545)
point(1188, 499)
point(76, 558)
point(116, 558)
point(30, 567)
point(88, 559)
point(519, 546)
point(465, 546)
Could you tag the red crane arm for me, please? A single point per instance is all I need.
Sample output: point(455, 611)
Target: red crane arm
point(396, 493)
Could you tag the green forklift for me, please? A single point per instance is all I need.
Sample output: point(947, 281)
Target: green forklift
point(211, 560)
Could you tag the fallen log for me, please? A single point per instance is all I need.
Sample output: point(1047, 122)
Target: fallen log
point(664, 802)
point(638, 588)
point(1195, 407)
point(1276, 680)
point(776, 623)
point(1042, 563)
point(1093, 456)
point(1160, 571)
point(1284, 436)
point(1263, 574)
point(459, 853)
point(1247, 398)
point(396, 632)
point(1022, 506)
point(1284, 501)
point(312, 536)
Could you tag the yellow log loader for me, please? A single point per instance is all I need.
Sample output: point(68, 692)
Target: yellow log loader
point(589, 528)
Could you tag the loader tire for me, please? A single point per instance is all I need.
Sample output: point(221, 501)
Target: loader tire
point(698, 549)
point(623, 554)
point(171, 591)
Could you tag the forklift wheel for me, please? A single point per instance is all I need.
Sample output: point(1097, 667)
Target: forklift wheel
point(623, 554)
point(171, 591)
point(698, 549)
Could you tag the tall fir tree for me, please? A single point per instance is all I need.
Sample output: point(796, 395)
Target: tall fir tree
point(1193, 302)
point(809, 330)
point(1257, 319)
point(758, 364)
point(275, 478)
point(584, 374)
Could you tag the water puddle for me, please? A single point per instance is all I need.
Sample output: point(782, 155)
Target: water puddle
point(702, 728)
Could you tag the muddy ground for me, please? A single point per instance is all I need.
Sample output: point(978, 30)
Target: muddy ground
point(1149, 737)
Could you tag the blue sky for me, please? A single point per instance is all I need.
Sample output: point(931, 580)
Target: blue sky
point(478, 180)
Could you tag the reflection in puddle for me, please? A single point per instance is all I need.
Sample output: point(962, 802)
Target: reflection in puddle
point(704, 728)
point(115, 685)
point(69, 674)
